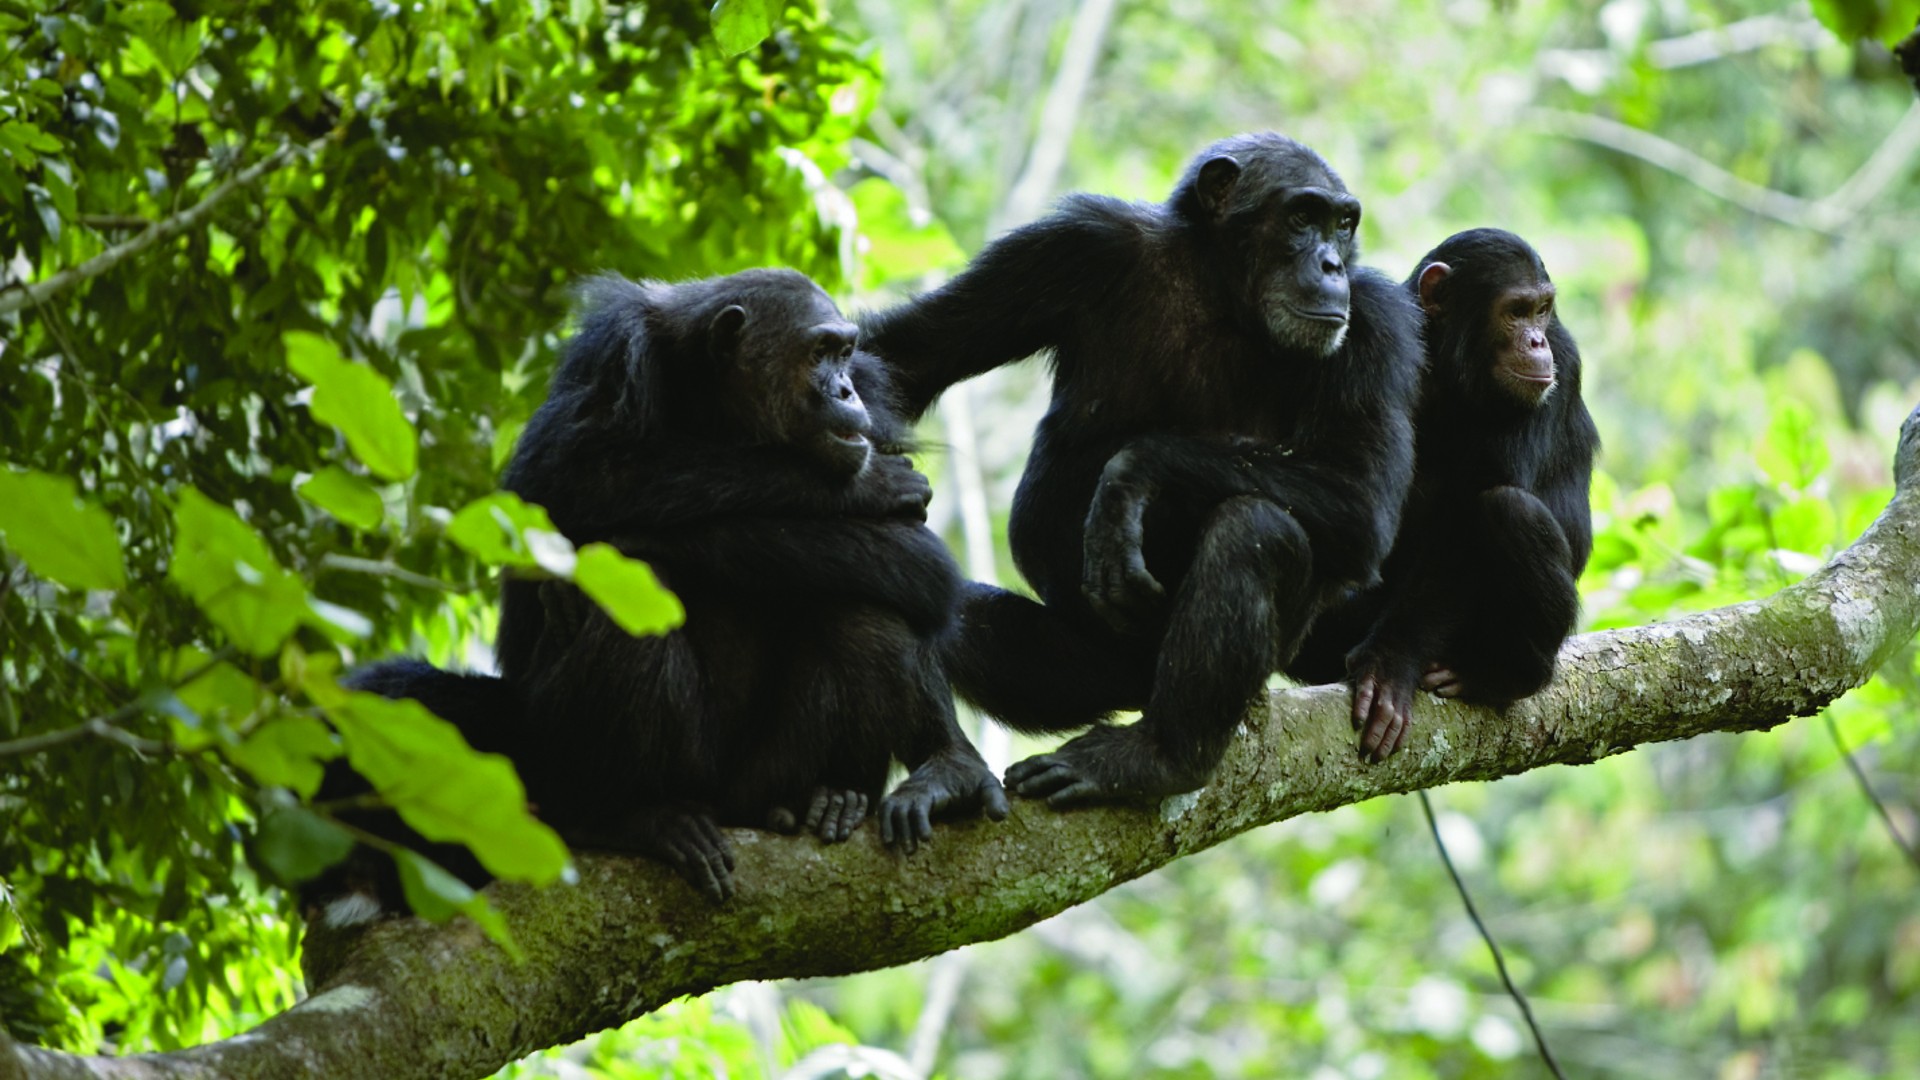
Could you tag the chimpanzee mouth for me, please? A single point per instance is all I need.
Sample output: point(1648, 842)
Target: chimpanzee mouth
point(1335, 317)
point(851, 438)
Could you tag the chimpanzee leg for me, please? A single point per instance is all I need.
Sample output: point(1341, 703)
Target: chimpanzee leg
point(1036, 669)
point(1239, 614)
point(1527, 604)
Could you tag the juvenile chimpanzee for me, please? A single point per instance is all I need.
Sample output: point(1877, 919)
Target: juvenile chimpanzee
point(1479, 591)
point(724, 430)
point(1227, 449)
point(728, 432)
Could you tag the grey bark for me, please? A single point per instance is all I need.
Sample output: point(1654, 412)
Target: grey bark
point(405, 999)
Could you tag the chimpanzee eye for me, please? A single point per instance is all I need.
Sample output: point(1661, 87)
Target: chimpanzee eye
point(1298, 222)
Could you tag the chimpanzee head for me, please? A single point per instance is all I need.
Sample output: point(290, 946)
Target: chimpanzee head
point(784, 358)
point(1491, 323)
point(1284, 225)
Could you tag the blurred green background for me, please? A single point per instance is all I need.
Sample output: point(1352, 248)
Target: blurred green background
point(1726, 193)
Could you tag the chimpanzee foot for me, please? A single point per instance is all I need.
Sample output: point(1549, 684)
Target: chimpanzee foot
point(685, 838)
point(1442, 680)
point(952, 782)
point(1107, 764)
point(835, 812)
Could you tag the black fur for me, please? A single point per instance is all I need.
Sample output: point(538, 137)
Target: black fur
point(1224, 454)
point(1479, 591)
point(728, 432)
point(717, 430)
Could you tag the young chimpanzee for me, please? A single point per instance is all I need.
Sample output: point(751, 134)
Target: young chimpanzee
point(728, 432)
point(1479, 591)
point(1227, 450)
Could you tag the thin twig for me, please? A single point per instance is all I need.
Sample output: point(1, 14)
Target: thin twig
point(1499, 961)
point(1866, 788)
point(336, 561)
point(108, 726)
point(38, 292)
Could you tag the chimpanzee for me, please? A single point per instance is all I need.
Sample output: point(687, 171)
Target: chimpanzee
point(1227, 449)
point(1479, 591)
point(727, 431)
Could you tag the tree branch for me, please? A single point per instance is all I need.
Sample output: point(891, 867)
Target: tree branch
point(402, 998)
point(166, 228)
point(1830, 214)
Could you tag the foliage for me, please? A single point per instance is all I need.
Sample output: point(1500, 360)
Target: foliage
point(235, 451)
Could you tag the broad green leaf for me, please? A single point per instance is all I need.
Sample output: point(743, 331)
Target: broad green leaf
point(288, 751)
point(222, 696)
point(296, 843)
point(358, 402)
point(627, 588)
point(423, 767)
point(60, 537)
point(739, 25)
point(224, 566)
point(897, 246)
point(437, 896)
point(345, 496)
point(502, 530)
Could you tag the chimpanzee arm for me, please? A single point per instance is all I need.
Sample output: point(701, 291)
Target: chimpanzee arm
point(899, 565)
point(624, 488)
point(1012, 301)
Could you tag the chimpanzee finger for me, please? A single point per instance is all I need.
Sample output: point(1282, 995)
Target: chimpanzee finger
point(853, 815)
point(781, 820)
point(923, 820)
point(1364, 691)
point(817, 809)
point(993, 800)
point(713, 839)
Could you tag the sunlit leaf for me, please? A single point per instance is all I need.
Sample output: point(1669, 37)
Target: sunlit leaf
point(438, 896)
point(345, 496)
point(423, 767)
point(627, 588)
point(224, 566)
point(288, 752)
point(358, 402)
point(496, 529)
point(739, 25)
point(61, 538)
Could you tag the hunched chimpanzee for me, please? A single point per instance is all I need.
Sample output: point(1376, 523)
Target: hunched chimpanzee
point(1227, 450)
point(728, 432)
point(1479, 591)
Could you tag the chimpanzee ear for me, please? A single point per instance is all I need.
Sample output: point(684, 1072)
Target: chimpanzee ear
point(723, 335)
point(1430, 277)
point(1217, 178)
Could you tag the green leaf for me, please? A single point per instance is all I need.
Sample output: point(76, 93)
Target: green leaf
point(345, 496)
point(739, 25)
point(60, 537)
point(288, 752)
point(358, 402)
point(296, 844)
point(423, 767)
point(1805, 524)
point(225, 568)
point(437, 896)
point(503, 530)
point(627, 588)
point(1793, 453)
point(1851, 20)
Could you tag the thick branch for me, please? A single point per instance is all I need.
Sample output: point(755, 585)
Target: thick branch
point(404, 998)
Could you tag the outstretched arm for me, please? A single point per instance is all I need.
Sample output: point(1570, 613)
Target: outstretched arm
point(1009, 303)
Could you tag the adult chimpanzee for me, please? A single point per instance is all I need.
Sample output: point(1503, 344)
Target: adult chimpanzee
point(1479, 591)
point(1227, 449)
point(725, 430)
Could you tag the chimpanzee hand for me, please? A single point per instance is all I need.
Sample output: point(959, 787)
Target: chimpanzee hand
point(892, 488)
point(1443, 681)
point(1113, 570)
point(1383, 688)
point(1107, 764)
point(954, 781)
